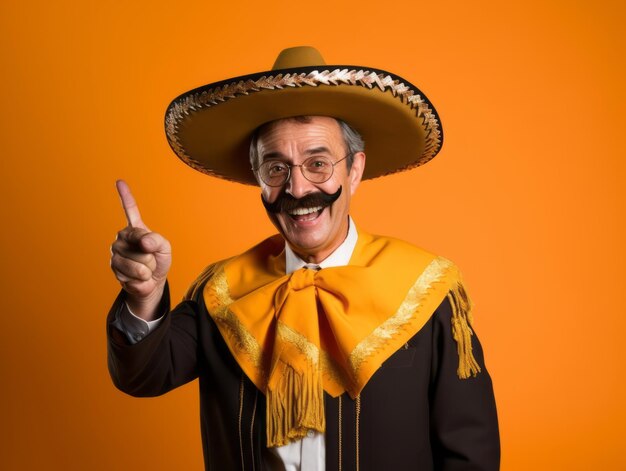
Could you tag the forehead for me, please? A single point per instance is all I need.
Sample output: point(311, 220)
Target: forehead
point(301, 134)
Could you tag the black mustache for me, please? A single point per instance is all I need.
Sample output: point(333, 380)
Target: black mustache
point(286, 202)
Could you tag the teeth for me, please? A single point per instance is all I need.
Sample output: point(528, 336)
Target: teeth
point(303, 211)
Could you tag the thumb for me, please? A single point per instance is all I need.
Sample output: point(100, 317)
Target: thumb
point(161, 249)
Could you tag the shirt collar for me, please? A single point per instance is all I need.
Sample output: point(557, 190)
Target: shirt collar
point(339, 258)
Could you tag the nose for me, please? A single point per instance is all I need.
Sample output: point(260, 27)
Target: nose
point(297, 186)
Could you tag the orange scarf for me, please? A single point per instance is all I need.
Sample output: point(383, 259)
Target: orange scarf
point(297, 335)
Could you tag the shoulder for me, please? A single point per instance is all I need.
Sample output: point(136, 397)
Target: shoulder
point(271, 248)
point(197, 285)
point(404, 257)
point(375, 242)
point(374, 249)
point(440, 290)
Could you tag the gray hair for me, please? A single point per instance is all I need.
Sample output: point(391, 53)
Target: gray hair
point(352, 139)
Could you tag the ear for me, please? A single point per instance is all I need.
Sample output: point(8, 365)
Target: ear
point(356, 172)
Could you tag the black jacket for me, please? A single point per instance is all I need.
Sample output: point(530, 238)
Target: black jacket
point(414, 414)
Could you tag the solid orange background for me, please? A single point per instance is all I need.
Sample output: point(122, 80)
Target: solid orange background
point(526, 197)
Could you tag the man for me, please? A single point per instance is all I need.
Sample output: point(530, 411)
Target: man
point(323, 347)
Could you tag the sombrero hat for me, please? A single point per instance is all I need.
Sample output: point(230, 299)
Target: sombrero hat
point(210, 127)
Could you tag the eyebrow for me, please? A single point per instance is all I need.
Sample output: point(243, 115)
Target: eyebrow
point(273, 155)
point(308, 152)
point(317, 150)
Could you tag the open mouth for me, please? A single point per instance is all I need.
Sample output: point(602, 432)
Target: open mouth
point(305, 214)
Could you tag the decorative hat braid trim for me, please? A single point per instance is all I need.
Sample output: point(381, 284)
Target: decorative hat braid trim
point(195, 101)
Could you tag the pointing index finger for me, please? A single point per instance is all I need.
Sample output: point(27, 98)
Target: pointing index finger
point(130, 206)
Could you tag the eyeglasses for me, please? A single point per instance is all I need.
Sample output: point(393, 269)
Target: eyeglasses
point(314, 169)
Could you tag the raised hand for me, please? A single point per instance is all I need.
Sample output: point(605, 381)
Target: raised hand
point(140, 259)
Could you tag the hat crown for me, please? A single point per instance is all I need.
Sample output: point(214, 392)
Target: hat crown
point(301, 56)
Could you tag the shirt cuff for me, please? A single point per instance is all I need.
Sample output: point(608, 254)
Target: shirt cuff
point(134, 328)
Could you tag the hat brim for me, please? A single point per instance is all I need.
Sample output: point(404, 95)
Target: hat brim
point(210, 128)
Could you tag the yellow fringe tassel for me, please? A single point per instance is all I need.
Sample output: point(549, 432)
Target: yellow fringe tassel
point(288, 420)
point(462, 331)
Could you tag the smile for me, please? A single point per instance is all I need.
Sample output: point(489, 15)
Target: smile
point(303, 211)
point(305, 214)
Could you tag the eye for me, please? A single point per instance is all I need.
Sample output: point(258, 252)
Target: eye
point(276, 168)
point(317, 165)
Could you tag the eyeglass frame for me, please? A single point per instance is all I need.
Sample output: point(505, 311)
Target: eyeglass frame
point(290, 166)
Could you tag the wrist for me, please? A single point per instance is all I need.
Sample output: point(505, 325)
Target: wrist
point(146, 307)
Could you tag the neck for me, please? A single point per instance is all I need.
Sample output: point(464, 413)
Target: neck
point(318, 256)
point(314, 257)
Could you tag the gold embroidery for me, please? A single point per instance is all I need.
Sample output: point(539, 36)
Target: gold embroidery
point(243, 339)
point(187, 104)
point(340, 444)
point(411, 304)
point(206, 274)
point(358, 427)
point(309, 349)
point(331, 369)
point(243, 466)
point(256, 394)
point(328, 365)
point(220, 285)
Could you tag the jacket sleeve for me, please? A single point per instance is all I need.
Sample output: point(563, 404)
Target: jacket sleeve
point(161, 361)
point(464, 422)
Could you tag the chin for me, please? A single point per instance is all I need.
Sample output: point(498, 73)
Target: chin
point(305, 242)
point(310, 239)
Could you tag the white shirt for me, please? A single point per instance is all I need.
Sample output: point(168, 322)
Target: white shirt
point(308, 454)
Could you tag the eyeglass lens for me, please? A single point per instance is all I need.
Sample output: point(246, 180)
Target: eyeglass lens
point(314, 169)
